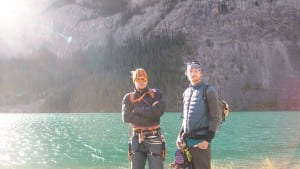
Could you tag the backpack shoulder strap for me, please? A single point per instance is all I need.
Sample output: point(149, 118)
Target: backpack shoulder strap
point(151, 93)
point(204, 92)
point(131, 97)
point(205, 97)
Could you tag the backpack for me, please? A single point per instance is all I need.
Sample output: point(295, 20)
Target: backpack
point(223, 105)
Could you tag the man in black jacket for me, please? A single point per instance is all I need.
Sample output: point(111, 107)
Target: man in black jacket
point(143, 109)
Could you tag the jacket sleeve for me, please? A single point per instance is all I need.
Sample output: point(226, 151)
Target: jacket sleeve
point(157, 109)
point(128, 115)
point(180, 131)
point(181, 128)
point(214, 113)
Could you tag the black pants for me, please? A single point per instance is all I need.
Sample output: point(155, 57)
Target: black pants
point(150, 150)
point(200, 158)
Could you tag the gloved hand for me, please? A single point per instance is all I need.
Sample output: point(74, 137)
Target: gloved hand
point(155, 106)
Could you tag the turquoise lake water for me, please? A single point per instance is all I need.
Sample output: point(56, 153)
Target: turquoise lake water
point(99, 141)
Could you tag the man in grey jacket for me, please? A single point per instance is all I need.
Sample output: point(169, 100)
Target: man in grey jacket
point(201, 117)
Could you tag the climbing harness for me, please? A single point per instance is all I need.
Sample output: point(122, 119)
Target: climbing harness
point(144, 132)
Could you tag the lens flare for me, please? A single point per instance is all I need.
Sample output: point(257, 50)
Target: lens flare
point(18, 20)
point(14, 13)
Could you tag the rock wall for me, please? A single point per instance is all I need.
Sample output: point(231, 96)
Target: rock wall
point(249, 49)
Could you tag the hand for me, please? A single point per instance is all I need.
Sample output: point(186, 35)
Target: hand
point(154, 103)
point(155, 106)
point(202, 145)
point(172, 165)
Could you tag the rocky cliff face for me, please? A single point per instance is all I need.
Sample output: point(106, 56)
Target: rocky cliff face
point(249, 49)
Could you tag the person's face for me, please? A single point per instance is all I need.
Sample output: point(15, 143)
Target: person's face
point(140, 83)
point(194, 75)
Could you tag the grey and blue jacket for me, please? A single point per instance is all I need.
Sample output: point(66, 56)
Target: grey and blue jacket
point(143, 113)
point(201, 116)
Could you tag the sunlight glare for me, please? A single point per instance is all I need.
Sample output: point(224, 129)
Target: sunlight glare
point(14, 15)
point(8, 120)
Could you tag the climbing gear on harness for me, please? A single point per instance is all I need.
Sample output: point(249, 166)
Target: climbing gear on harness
point(129, 151)
point(185, 150)
point(144, 132)
point(129, 142)
point(180, 161)
point(164, 149)
point(187, 154)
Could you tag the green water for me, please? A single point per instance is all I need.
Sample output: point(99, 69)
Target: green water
point(99, 141)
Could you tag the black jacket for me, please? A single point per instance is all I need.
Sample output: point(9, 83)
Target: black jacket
point(143, 113)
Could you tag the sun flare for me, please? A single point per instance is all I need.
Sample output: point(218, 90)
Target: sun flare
point(15, 14)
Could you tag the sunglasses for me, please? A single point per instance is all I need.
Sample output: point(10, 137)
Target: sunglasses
point(141, 80)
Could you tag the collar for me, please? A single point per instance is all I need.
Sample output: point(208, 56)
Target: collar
point(198, 85)
point(141, 91)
